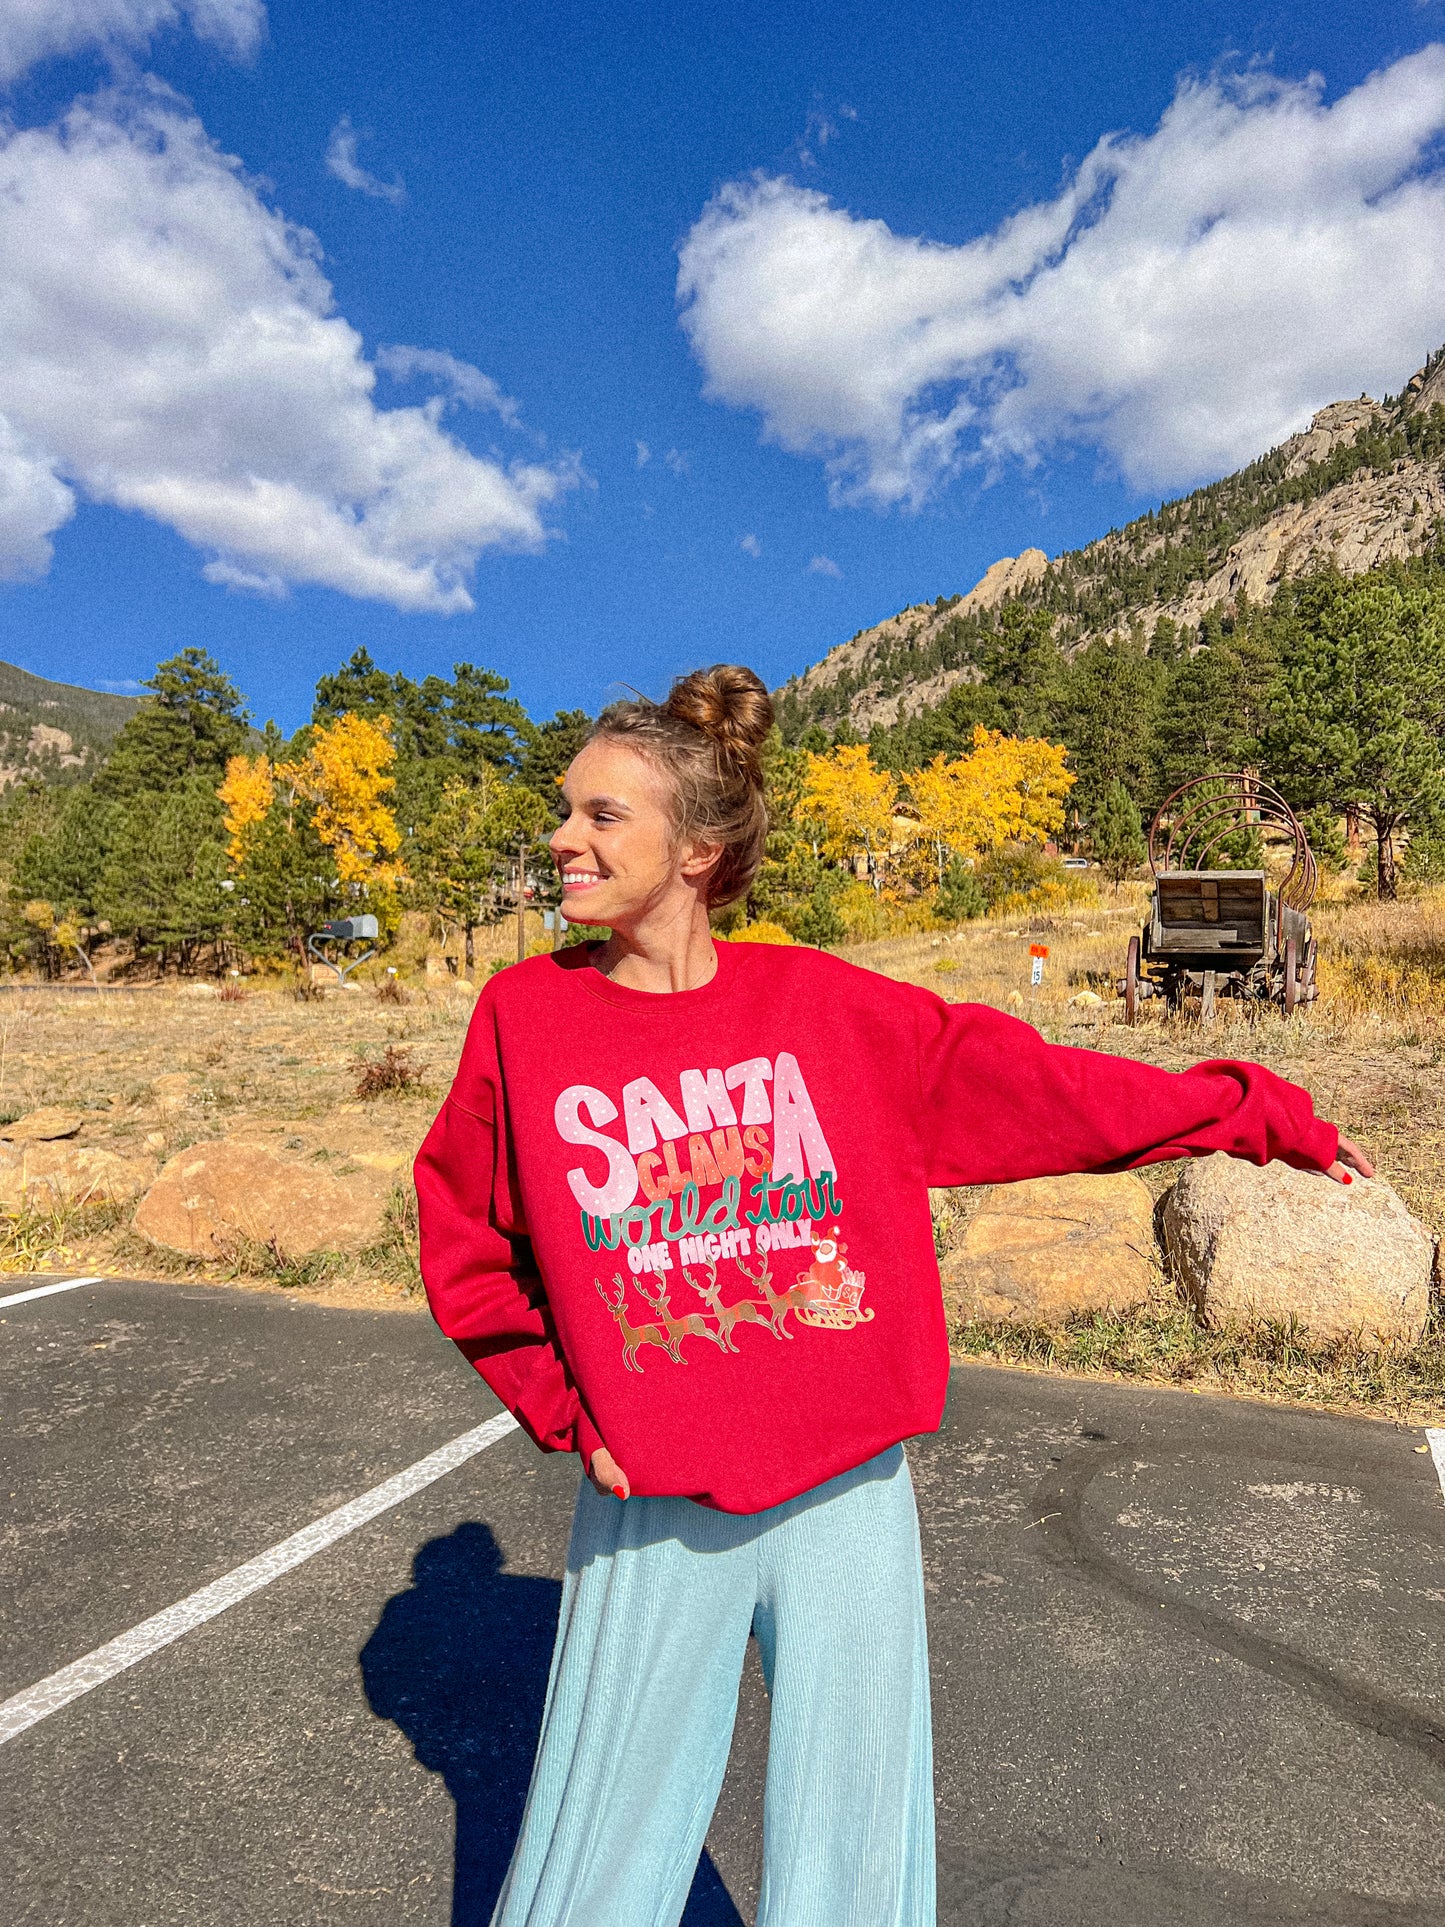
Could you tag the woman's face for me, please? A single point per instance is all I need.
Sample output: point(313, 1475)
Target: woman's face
point(617, 851)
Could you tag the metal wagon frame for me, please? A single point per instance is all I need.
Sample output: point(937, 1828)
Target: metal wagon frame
point(1224, 932)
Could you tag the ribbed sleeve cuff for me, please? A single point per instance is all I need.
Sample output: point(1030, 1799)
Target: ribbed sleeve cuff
point(588, 1439)
point(1318, 1149)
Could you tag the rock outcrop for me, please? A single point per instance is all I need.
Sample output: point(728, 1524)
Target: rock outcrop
point(215, 1197)
point(47, 1172)
point(1038, 1250)
point(1247, 1242)
point(51, 1121)
point(1372, 515)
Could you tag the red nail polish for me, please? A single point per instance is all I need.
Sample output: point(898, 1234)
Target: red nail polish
point(619, 1492)
point(1345, 1178)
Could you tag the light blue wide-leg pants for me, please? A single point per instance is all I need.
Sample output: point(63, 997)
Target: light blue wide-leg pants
point(657, 1605)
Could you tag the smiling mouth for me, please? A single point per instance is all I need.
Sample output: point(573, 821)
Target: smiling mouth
point(580, 879)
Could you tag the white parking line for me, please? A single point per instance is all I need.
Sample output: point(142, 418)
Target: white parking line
point(1436, 1435)
point(47, 1696)
point(48, 1291)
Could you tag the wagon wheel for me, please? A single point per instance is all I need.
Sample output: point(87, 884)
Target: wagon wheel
point(1292, 984)
point(1131, 982)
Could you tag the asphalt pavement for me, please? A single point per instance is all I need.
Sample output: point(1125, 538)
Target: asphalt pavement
point(1187, 1651)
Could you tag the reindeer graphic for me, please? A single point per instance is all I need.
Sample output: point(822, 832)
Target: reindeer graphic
point(692, 1324)
point(780, 1303)
point(746, 1311)
point(634, 1337)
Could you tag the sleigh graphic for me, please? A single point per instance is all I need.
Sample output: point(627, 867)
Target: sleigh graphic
point(832, 1292)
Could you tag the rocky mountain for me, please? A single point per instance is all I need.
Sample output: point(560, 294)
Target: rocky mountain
point(1363, 483)
point(55, 730)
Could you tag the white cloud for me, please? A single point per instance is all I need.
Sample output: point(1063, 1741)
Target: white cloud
point(341, 162)
point(168, 344)
point(460, 379)
point(750, 545)
point(679, 463)
point(1186, 300)
point(34, 502)
point(35, 30)
point(824, 565)
point(644, 454)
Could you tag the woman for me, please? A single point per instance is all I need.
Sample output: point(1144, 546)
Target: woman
point(675, 1211)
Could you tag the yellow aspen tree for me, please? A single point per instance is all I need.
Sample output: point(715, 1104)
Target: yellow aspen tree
point(853, 802)
point(247, 793)
point(1008, 789)
point(346, 777)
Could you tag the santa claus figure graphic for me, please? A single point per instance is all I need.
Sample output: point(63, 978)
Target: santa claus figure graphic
point(828, 1284)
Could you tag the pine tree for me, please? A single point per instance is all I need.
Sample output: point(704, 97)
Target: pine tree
point(1359, 707)
point(1115, 834)
point(162, 882)
point(194, 720)
point(1109, 719)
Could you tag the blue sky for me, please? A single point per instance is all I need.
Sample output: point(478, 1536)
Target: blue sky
point(924, 320)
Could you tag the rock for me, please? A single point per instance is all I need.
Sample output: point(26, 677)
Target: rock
point(213, 1195)
point(1038, 1250)
point(53, 1173)
point(1252, 1242)
point(43, 1125)
point(348, 1137)
point(1087, 999)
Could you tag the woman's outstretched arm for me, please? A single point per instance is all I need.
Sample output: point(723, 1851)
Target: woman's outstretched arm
point(1000, 1104)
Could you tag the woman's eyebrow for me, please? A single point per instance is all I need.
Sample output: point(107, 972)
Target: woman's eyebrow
point(597, 803)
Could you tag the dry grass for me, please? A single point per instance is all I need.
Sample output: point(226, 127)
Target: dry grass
point(1164, 1344)
point(267, 1058)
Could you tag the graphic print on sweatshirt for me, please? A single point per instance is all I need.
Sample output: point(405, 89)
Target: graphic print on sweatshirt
point(740, 1177)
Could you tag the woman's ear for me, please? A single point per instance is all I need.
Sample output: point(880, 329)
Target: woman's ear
point(698, 859)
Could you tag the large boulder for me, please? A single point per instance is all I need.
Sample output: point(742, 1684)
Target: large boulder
point(213, 1196)
point(43, 1173)
point(1038, 1250)
point(1247, 1241)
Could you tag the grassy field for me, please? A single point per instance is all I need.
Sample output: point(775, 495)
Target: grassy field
point(156, 1071)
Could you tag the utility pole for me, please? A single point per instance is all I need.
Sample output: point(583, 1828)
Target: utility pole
point(521, 900)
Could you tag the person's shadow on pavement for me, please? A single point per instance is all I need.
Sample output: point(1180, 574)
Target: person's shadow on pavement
point(459, 1662)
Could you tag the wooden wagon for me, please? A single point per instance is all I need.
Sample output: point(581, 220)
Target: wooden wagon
point(1225, 932)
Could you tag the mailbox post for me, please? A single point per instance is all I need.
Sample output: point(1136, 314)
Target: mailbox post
point(344, 930)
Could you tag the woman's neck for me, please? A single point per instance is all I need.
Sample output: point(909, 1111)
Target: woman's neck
point(668, 951)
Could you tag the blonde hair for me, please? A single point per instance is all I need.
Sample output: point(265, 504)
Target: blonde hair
point(707, 739)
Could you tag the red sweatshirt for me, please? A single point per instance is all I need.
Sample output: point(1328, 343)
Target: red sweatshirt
point(695, 1227)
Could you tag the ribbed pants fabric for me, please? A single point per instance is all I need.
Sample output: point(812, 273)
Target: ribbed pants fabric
point(657, 1605)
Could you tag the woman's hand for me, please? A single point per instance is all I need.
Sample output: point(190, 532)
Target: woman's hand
point(1351, 1158)
point(608, 1476)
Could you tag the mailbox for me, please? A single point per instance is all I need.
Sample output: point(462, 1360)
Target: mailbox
point(350, 930)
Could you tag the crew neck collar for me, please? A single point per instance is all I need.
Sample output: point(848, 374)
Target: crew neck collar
point(657, 1002)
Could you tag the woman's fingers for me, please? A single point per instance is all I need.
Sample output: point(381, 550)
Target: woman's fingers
point(607, 1475)
point(1350, 1159)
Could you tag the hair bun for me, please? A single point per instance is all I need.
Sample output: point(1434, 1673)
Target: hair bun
point(729, 704)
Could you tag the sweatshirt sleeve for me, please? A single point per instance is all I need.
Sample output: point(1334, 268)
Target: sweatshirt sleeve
point(480, 1275)
point(1000, 1104)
